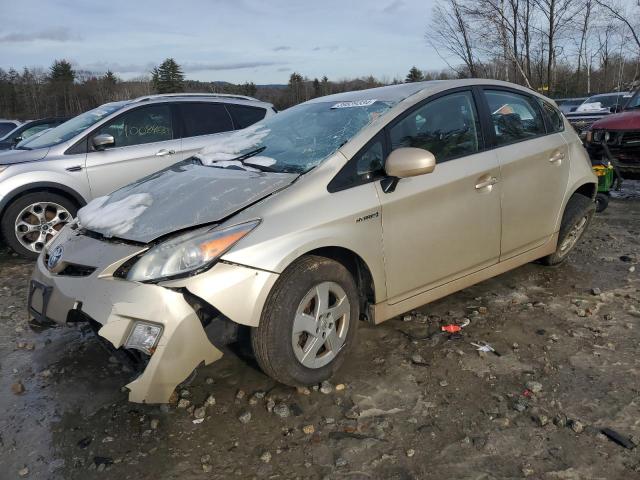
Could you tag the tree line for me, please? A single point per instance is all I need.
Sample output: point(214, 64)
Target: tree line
point(559, 47)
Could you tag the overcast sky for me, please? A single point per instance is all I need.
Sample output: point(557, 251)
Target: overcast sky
point(234, 40)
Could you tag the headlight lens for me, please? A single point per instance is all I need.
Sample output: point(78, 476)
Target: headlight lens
point(144, 337)
point(187, 253)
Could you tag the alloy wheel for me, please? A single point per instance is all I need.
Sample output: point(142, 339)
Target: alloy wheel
point(321, 325)
point(38, 223)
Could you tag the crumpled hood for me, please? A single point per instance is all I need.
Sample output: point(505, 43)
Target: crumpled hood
point(8, 157)
point(182, 196)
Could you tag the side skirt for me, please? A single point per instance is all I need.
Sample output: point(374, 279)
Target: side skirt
point(384, 310)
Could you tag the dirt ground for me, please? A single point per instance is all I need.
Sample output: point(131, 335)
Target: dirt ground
point(410, 402)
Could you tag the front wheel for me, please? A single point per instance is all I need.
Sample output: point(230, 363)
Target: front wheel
point(575, 220)
point(32, 220)
point(308, 323)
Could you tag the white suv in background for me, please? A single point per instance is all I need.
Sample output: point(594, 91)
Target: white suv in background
point(44, 182)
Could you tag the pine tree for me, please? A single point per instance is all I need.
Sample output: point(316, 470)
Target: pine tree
point(168, 77)
point(326, 90)
point(61, 72)
point(414, 75)
point(61, 78)
point(296, 84)
point(317, 89)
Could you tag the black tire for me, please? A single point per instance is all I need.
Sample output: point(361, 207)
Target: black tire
point(8, 222)
point(602, 202)
point(578, 208)
point(272, 339)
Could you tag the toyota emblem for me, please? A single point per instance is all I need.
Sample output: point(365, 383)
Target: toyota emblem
point(55, 257)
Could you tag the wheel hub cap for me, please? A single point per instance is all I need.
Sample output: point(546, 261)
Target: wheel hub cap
point(38, 223)
point(321, 325)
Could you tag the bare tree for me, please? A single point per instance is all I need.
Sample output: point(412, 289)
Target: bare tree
point(452, 33)
point(621, 15)
point(557, 14)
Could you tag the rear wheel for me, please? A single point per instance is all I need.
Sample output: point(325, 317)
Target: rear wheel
point(602, 201)
point(308, 323)
point(575, 220)
point(32, 220)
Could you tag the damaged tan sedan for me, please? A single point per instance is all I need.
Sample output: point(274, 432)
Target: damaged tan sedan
point(356, 206)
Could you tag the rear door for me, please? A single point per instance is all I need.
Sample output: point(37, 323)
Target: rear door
point(145, 142)
point(202, 121)
point(534, 166)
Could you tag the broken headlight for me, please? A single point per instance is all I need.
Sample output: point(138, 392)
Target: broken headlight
point(187, 254)
point(144, 337)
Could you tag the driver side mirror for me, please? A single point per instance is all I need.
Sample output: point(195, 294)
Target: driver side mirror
point(102, 141)
point(406, 162)
point(409, 162)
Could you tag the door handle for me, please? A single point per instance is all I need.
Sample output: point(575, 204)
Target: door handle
point(164, 152)
point(487, 183)
point(75, 168)
point(556, 157)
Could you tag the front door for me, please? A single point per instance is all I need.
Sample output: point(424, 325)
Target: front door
point(534, 163)
point(144, 143)
point(446, 224)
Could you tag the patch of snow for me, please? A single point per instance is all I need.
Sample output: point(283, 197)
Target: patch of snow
point(227, 147)
point(115, 218)
point(261, 161)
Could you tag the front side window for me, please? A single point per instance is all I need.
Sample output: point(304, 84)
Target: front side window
point(139, 126)
point(515, 117)
point(557, 123)
point(244, 116)
point(448, 127)
point(204, 119)
point(73, 127)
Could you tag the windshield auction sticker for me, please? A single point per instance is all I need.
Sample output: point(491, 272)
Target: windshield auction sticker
point(357, 103)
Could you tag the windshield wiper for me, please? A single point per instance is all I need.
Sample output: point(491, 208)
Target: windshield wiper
point(250, 154)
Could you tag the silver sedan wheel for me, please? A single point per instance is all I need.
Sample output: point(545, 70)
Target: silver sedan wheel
point(40, 222)
point(573, 236)
point(321, 325)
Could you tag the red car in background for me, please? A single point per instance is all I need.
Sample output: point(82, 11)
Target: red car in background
point(620, 132)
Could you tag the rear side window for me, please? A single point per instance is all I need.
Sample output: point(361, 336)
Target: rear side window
point(244, 116)
point(204, 119)
point(555, 117)
point(515, 117)
point(447, 127)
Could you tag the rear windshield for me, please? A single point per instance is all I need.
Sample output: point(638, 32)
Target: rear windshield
point(73, 127)
point(608, 101)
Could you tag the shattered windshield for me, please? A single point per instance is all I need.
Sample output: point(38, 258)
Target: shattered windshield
point(73, 127)
point(295, 140)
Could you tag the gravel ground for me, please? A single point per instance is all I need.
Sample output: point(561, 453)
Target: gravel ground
point(410, 403)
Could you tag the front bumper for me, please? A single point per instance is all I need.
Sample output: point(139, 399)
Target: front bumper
point(118, 304)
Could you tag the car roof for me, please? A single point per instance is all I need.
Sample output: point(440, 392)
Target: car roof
point(624, 94)
point(213, 97)
point(402, 91)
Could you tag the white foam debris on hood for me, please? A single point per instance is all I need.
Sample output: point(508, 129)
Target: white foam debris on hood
point(115, 218)
point(227, 147)
point(261, 161)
